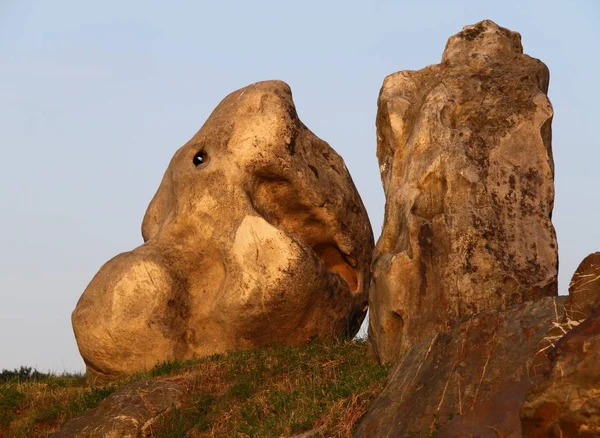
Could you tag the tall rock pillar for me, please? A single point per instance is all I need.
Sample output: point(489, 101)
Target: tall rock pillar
point(464, 149)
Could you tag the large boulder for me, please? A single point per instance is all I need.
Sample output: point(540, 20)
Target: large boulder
point(480, 371)
point(465, 156)
point(255, 236)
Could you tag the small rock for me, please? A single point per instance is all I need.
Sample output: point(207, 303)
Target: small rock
point(129, 412)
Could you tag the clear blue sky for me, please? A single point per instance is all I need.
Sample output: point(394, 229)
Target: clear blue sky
point(96, 96)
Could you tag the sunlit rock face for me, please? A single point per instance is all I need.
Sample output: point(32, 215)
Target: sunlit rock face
point(584, 289)
point(255, 236)
point(465, 156)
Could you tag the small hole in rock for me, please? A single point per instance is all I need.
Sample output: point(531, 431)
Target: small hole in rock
point(200, 158)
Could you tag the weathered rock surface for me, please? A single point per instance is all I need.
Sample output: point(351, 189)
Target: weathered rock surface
point(584, 289)
point(255, 236)
point(484, 358)
point(465, 156)
point(499, 415)
point(566, 402)
point(496, 417)
point(129, 412)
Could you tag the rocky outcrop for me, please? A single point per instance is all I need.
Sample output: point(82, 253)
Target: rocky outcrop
point(130, 412)
point(481, 371)
point(255, 236)
point(465, 157)
point(566, 402)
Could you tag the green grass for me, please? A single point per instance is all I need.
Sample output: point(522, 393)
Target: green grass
point(23, 374)
point(278, 391)
point(11, 400)
point(34, 404)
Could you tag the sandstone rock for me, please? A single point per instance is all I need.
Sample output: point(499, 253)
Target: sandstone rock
point(130, 412)
point(499, 415)
point(480, 366)
point(255, 236)
point(584, 289)
point(566, 402)
point(496, 417)
point(465, 157)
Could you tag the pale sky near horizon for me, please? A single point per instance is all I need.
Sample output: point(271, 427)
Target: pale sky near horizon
point(96, 96)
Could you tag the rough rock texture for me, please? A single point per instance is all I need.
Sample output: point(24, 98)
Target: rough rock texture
point(465, 157)
point(457, 372)
point(255, 236)
point(584, 289)
point(566, 402)
point(496, 417)
point(129, 412)
point(499, 415)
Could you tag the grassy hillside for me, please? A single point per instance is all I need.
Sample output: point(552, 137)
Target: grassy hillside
point(273, 392)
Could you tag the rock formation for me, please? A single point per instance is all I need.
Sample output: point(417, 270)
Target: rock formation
point(465, 157)
point(255, 236)
point(529, 371)
point(566, 402)
point(483, 367)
